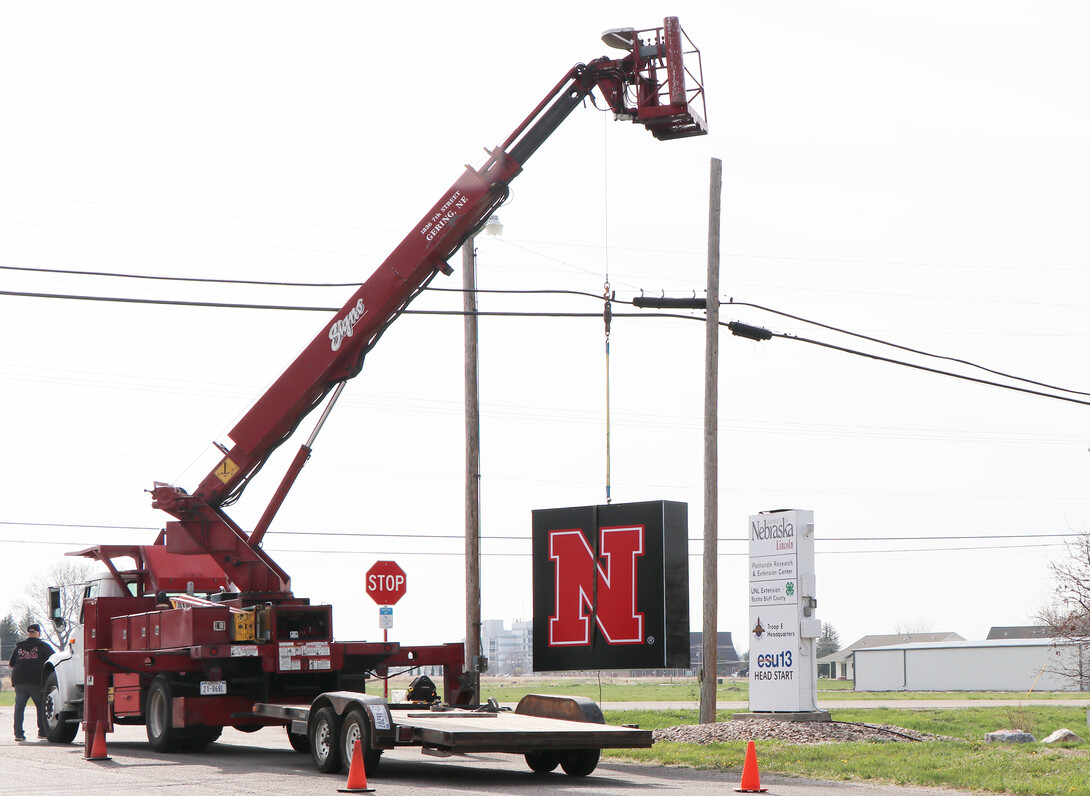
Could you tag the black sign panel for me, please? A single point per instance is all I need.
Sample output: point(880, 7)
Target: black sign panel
point(611, 587)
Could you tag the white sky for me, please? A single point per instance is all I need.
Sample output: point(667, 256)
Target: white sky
point(916, 172)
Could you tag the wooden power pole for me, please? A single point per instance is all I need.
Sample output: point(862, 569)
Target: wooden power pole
point(473, 465)
point(710, 634)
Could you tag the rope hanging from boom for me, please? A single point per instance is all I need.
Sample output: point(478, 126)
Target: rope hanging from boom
point(607, 316)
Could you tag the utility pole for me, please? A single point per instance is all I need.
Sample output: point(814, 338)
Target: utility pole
point(709, 668)
point(710, 634)
point(473, 468)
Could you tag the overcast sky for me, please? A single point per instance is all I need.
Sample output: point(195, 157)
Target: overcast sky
point(914, 172)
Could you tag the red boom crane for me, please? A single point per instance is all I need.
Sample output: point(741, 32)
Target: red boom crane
point(291, 657)
point(648, 86)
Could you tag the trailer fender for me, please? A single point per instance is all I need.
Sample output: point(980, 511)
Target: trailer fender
point(570, 708)
point(383, 729)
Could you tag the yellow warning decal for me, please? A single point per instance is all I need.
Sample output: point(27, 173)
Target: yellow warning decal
point(226, 470)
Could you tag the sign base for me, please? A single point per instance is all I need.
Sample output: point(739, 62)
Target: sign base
point(806, 715)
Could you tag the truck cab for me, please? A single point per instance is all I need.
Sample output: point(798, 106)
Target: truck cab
point(62, 677)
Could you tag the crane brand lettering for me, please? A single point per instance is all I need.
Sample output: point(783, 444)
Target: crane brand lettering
point(343, 328)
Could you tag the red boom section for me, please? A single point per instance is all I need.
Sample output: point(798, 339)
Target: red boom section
point(663, 98)
point(335, 353)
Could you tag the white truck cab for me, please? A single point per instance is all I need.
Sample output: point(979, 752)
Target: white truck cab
point(62, 677)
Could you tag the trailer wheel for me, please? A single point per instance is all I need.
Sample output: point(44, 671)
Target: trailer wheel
point(298, 740)
point(579, 762)
point(357, 728)
point(542, 762)
point(57, 730)
point(159, 715)
point(323, 733)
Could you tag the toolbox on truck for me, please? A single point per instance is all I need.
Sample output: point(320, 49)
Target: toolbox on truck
point(194, 626)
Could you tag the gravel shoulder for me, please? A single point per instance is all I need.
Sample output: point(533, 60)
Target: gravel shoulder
point(801, 732)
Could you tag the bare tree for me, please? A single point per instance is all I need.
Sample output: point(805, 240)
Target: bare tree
point(70, 576)
point(908, 627)
point(1068, 618)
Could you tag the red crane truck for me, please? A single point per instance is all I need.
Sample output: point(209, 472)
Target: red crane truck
point(252, 654)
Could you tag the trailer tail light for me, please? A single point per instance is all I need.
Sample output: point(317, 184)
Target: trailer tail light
point(404, 734)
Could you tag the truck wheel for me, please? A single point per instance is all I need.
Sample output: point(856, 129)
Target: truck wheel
point(579, 762)
point(159, 715)
point(323, 732)
point(196, 740)
point(298, 740)
point(542, 762)
point(57, 730)
point(357, 728)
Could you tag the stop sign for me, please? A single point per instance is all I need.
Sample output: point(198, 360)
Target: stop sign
point(385, 582)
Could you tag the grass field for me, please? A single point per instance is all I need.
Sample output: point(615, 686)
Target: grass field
point(511, 689)
point(966, 762)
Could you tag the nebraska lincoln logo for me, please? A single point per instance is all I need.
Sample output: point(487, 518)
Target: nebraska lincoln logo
point(603, 590)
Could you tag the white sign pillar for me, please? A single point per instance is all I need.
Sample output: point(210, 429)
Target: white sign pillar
point(783, 623)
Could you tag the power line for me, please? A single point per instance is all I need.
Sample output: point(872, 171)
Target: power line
point(417, 535)
point(903, 348)
point(153, 277)
point(926, 369)
point(227, 305)
point(461, 553)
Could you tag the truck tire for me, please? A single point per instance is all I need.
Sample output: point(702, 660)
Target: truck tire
point(196, 739)
point(57, 730)
point(324, 733)
point(163, 736)
point(357, 728)
point(579, 762)
point(159, 715)
point(542, 762)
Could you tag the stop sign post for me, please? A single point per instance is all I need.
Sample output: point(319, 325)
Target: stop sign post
point(385, 582)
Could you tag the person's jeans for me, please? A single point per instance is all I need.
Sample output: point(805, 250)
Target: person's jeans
point(22, 694)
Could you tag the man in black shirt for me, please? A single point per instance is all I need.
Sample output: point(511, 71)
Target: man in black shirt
point(27, 661)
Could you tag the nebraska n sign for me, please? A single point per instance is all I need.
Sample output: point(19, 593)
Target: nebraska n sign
point(611, 587)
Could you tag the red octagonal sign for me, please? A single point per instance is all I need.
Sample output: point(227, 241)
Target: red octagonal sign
point(385, 582)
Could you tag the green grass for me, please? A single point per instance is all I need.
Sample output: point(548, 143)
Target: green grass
point(966, 762)
point(511, 689)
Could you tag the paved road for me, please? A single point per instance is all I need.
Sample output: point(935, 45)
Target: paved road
point(263, 763)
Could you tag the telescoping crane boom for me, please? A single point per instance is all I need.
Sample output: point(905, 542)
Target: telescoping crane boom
point(650, 85)
point(190, 667)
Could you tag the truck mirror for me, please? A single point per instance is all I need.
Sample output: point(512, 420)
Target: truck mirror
point(55, 612)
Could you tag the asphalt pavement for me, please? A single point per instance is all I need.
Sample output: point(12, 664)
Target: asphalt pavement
point(263, 763)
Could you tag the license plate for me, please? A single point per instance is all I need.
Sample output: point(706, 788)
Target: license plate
point(213, 687)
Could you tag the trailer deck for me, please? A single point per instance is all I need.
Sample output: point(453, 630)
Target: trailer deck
point(539, 724)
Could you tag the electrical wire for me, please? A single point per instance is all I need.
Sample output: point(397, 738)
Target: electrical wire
point(152, 277)
point(831, 346)
point(926, 369)
point(904, 348)
point(367, 534)
point(284, 551)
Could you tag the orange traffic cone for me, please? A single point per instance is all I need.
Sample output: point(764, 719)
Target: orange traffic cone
point(98, 743)
point(751, 777)
point(357, 774)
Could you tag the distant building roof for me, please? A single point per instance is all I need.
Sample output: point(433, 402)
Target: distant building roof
point(888, 640)
point(1024, 631)
point(963, 644)
point(724, 646)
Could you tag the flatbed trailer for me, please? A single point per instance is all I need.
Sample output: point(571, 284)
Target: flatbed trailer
point(549, 731)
